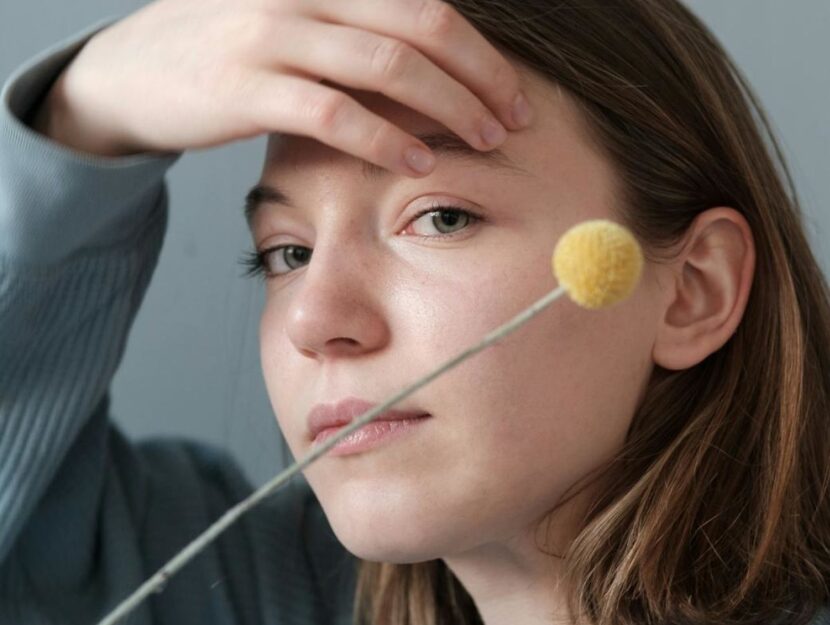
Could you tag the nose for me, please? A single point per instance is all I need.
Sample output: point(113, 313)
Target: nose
point(338, 308)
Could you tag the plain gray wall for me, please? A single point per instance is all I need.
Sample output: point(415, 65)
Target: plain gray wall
point(192, 361)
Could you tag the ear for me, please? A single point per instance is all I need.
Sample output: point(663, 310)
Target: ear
point(706, 289)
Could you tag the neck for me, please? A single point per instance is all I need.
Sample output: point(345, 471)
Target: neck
point(514, 581)
point(508, 589)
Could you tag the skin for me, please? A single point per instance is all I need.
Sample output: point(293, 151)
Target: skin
point(516, 425)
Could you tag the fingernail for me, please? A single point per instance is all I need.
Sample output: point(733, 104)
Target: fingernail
point(492, 132)
point(522, 115)
point(419, 159)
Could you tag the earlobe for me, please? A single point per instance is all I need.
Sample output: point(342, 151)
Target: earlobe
point(708, 288)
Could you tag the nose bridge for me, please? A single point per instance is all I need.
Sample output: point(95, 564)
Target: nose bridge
point(336, 305)
point(339, 267)
point(344, 244)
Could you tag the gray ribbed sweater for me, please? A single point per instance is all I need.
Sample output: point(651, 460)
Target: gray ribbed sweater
point(86, 515)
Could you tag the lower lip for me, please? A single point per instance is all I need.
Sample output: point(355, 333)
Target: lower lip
point(371, 435)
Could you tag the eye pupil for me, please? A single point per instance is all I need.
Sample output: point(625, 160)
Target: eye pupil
point(296, 253)
point(450, 217)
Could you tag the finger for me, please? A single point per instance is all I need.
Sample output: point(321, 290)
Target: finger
point(363, 60)
point(294, 105)
point(441, 33)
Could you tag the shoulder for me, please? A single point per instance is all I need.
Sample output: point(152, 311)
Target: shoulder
point(184, 467)
point(313, 548)
point(285, 541)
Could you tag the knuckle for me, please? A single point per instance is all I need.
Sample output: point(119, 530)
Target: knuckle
point(289, 7)
point(326, 110)
point(505, 76)
point(253, 31)
point(378, 141)
point(436, 19)
point(390, 58)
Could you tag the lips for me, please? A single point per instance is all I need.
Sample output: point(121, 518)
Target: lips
point(324, 416)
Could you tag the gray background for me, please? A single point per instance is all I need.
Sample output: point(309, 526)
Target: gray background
point(192, 361)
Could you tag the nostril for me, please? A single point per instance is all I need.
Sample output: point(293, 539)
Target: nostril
point(342, 345)
point(343, 341)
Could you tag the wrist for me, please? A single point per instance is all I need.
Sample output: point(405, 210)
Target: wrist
point(54, 118)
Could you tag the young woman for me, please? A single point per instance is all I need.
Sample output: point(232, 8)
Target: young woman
point(663, 461)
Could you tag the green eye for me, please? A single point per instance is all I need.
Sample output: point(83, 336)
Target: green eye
point(446, 220)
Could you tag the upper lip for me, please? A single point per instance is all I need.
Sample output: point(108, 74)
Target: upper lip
point(324, 416)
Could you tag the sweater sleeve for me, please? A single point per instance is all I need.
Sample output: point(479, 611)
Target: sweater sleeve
point(86, 515)
point(79, 238)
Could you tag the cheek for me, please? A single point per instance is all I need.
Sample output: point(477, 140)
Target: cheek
point(270, 330)
point(580, 373)
point(277, 371)
point(560, 390)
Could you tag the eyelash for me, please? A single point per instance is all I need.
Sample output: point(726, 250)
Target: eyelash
point(254, 260)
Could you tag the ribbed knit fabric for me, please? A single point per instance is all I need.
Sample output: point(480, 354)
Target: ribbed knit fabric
point(86, 515)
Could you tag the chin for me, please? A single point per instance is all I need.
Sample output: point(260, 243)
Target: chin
point(381, 538)
point(393, 551)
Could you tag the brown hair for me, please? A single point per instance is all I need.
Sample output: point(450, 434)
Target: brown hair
point(716, 509)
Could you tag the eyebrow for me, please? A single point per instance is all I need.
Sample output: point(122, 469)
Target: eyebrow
point(445, 144)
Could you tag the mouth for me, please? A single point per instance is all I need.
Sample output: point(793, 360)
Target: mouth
point(370, 435)
point(332, 417)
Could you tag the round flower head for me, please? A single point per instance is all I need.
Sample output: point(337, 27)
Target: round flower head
point(598, 262)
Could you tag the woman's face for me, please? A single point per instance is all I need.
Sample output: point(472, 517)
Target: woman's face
point(377, 306)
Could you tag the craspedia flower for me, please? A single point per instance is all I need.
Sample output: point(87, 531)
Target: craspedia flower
point(598, 262)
